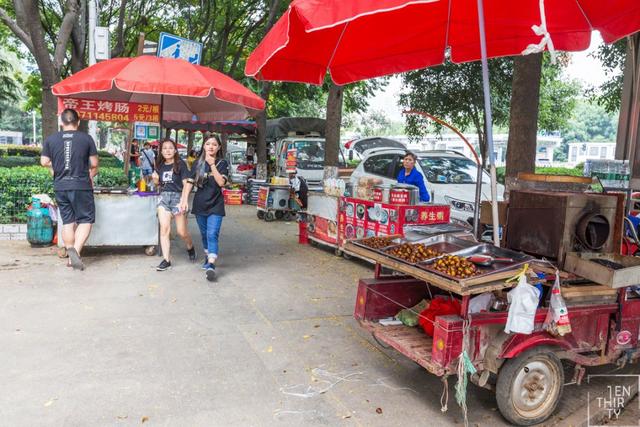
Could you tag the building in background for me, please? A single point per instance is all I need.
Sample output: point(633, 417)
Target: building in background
point(579, 152)
point(10, 137)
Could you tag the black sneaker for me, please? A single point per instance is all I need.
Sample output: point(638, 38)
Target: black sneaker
point(164, 265)
point(211, 273)
point(192, 254)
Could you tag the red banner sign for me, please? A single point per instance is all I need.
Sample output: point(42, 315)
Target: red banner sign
point(111, 111)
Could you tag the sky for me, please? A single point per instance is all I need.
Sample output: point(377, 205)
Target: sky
point(582, 67)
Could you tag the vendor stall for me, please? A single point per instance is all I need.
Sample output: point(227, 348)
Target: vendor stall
point(136, 90)
point(502, 317)
point(117, 210)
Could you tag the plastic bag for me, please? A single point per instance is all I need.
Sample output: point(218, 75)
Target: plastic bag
point(523, 302)
point(557, 320)
point(409, 316)
point(481, 302)
point(438, 307)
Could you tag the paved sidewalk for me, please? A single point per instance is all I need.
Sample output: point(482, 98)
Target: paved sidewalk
point(273, 342)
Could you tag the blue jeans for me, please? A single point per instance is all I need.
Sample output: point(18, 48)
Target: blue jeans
point(210, 231)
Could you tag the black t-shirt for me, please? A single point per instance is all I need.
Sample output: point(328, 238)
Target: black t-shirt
point(209, 199)
point(69, 152)
point(170, 180)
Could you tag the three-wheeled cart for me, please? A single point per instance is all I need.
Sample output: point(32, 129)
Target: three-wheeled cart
point(275, 202)
point(525, 371)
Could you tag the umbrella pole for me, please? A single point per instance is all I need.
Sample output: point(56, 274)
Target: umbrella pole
point(489, 124)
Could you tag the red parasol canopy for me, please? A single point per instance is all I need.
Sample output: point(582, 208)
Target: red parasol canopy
point(183, 89)
point(357, 40)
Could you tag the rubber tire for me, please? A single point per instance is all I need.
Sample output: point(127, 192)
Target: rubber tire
point(287, 216)
point(507, 375)
point(337, 252)
point(346, 256)
point(150, 250)
point(269, 216)
point(279, 214)
point(260, 214)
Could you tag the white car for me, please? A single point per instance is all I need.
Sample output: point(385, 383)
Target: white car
point(450, 177)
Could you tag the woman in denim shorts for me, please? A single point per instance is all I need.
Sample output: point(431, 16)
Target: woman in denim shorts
point(171, 175)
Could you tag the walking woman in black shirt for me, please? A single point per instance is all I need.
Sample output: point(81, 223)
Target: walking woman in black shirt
point(171, 175)
point(210, 175)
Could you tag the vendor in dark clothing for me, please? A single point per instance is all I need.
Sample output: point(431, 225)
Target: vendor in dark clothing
point(410, 175)
point(300, 188)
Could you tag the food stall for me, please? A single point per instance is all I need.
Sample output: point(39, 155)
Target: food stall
point(464, 296)
point(135, 90)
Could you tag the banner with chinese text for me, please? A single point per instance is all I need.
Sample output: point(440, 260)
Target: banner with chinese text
point(111, 111)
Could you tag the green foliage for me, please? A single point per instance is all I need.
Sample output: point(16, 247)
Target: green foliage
point(558, 98)
point(19, 150)
point(577, 171)
point(33, 90)
point(591, 122)
point(16, 161)
point(20, 183)
point(454, 93)
point(612, 57)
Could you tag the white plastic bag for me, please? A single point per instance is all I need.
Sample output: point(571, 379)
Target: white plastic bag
point(523, 302)
point(481, 302)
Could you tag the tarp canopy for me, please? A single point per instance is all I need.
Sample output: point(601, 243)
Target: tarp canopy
point(239, 127)
point(280, 128)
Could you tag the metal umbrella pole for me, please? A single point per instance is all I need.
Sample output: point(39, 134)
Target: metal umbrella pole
point(489, 123)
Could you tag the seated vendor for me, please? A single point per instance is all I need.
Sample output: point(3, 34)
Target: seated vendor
point(410, 175)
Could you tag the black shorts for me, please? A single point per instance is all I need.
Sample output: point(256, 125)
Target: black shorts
point(76, 206)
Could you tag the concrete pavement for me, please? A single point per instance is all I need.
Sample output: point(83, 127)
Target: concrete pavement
point(273, 342)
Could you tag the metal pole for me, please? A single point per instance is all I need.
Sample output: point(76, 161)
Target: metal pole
point(93, 126)
point(489, 123)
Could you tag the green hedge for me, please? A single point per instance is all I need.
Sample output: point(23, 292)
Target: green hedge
point(31, 151)
point(15, 161)
point(577, 171)
point(20, 183)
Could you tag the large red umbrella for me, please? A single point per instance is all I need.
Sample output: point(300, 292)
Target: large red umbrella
point(361, 39)
point(183, 89)
point(357, 40)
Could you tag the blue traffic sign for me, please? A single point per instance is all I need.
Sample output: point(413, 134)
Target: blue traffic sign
point(170, 46)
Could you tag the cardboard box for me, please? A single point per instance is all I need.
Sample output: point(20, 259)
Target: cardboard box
point(485, 213)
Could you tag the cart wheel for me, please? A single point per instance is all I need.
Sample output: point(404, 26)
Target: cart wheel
point(260, 214)
point(279, 214)
point(287, 216)
point(337, 252)
point(346, 256)
point(530, 386)
point(150, 250)
point(62, 252)
point(312, 242)
point(269, 216)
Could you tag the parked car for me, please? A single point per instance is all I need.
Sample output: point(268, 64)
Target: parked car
point(450, 177)
point(355, 149)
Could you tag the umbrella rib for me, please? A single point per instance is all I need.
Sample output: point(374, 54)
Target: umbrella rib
point(333, 54)
point(584, 14)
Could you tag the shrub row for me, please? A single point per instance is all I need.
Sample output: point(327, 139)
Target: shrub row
point(18, 184)
point(31, 151)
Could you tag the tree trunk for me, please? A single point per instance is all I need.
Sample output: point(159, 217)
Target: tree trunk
point(332, 132)
point(190, 135)
point(49, 111)
point(224, 142)
point(523, 126)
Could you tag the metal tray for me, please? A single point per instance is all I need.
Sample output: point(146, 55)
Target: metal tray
point(442, 243)
point(417, 232)
point(484, 249)
point(395, 241)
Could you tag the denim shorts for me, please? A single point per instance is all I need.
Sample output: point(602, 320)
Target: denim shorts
point(170, 201)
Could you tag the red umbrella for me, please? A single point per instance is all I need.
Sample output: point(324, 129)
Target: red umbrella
point(361, 39)
point(183, 89)
point(357, 40)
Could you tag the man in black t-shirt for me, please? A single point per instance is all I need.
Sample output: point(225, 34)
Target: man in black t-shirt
point(73, 157)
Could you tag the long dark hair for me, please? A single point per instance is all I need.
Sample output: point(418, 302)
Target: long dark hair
point(160, 160)
point(201, 164)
